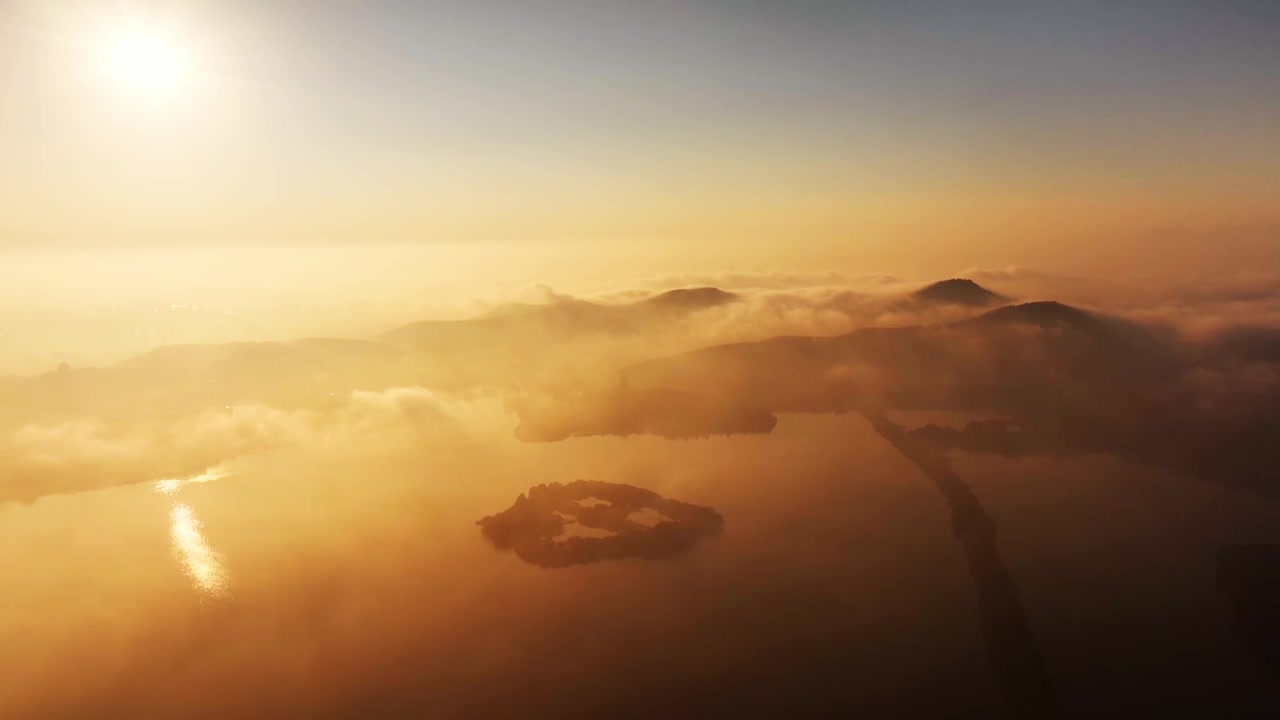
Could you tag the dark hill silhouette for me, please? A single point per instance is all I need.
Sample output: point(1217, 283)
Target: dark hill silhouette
point(1046, 313)
point(957, 291)
point(1013, 359)
point(1067, 380)
point(691, 298)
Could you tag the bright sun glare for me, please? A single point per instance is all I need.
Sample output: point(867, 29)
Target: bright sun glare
point(148, 60)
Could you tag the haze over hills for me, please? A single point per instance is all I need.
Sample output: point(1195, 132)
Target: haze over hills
point(562, 319)
point(998, 360)
point(1070, 380)
point(1067, 371)
point(1040, 385)
point(579, 360)
point(511, 344)
point(497, 348)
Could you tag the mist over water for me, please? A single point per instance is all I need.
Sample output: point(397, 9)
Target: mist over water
point(558, 359)
point(288, 529)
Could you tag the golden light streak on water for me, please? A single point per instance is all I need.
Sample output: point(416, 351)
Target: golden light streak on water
point(202, 563)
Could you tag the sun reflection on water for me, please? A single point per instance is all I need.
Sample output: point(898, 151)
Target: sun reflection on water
point(189, 543)
point(202, 563)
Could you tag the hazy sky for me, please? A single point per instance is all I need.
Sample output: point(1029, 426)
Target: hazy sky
point(923, 125)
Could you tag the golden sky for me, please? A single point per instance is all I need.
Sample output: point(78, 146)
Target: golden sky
point(826, 127)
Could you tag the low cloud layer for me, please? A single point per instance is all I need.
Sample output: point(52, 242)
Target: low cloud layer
point(38, 460)
point(1072, 379)
point(358, 469)
point(1167, 374)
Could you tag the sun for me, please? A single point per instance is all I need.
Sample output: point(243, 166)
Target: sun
point(148, 61)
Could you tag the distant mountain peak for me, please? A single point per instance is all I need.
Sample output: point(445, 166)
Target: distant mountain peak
point(957, 291)
point(1044, 312)
point(692, 298)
